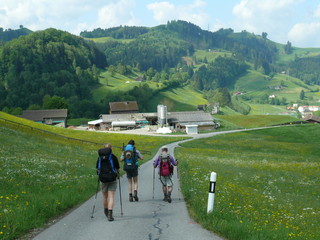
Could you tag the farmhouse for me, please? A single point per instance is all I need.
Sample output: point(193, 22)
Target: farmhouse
point(312, 119)
point(123, 107)
point(307, 110)
point(49, 117)
point(176, 120)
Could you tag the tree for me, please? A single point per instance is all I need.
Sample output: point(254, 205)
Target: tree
point(112, 70)
point(302, 95)
point(288, 48)
point(264, 35)
point(55, 102)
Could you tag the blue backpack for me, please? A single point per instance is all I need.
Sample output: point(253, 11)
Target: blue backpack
point(130, 158)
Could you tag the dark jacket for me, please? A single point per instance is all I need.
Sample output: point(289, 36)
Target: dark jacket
point(106, 152)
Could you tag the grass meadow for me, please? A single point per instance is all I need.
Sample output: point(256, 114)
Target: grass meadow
point(267, 183)
point(252, 121)
point(43, 175)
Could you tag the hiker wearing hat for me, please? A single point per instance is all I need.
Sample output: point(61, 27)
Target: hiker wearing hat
point(130, 157)
point(165, 162)
point(108, 170)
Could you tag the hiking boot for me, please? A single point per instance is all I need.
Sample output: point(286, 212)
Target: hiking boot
point(169, 197)
point(136, 196)
point(109, 216)
point(130, 197)
point(165, 198)
point(106, 212)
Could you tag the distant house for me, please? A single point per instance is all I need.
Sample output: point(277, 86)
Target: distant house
point(140, 79)
point(237, 93)
point(123, 107)
point(49, 116)
point(306, 110)
point(312, 119)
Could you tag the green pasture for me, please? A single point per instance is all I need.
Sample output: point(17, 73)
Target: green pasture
point(178, 99)
point(30, 158)
point(253, 121)
point(117, 82)
point(211, 55)
point(107, 39)
point(267, 183)
point(296, 52)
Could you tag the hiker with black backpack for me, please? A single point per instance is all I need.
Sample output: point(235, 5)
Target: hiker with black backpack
point(166, 162)
point(108, 170)
point(130, 156)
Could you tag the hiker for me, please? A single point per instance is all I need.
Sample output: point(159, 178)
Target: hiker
point(108, 170)
point(130, 157)
point(165, 162)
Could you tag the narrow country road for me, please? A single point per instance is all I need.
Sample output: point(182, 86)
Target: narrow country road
point(149, 219)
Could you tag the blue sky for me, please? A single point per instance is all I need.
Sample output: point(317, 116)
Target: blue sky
point(295, 20)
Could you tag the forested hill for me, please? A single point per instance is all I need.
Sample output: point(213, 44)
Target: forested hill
point(156, 40)
point(49, 62)
point(9, 34)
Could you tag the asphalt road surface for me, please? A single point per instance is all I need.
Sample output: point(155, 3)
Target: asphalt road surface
point(149, 218)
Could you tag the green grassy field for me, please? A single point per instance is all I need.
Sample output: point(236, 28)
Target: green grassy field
point(211, 55)
point(106, 39)
point(180, 99)
point(267, 183)
point(252, 121)
point(30, 159)
point(117, 82)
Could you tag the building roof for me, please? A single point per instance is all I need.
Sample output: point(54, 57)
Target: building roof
point(189, 117)
point(108, 118)
point(94, 122)
point(40, 115)
point(123, 106)
point(312, 118)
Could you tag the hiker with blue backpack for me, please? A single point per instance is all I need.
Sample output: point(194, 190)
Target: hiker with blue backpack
point(108, 170)
point(130, 157)
point(166, 163)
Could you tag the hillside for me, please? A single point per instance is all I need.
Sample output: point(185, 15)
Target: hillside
point(174, 61)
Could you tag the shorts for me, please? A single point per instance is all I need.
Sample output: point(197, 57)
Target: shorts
point(109, 186)
point(132, 173)
point(166, 181)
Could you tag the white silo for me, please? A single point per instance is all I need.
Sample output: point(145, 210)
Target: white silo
point(162, 115)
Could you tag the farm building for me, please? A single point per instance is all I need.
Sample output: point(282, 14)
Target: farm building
point(312, 119)
point(307, 110)
point(177, 120)
point(123, 107)
point(49, 117)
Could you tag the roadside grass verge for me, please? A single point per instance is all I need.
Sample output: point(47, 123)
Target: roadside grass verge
point(267, 182)
point(252, 121)
point(42, 175)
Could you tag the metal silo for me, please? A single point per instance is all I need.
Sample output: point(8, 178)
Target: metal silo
point(162, 115)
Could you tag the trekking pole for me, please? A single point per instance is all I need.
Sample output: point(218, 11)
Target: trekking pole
point(153, 182)
point(120, 197)
point(178, 179)
point(95, 199)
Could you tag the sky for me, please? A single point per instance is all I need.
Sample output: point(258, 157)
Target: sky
point(297, 21)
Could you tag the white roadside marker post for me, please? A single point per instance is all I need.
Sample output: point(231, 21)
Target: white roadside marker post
point(212, 189)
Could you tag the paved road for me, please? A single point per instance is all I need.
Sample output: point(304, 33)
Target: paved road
point(149, 218)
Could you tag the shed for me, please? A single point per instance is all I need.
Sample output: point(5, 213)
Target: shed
point(48, 116)
point(123, 107)
point(192, 129)
point(95, 124)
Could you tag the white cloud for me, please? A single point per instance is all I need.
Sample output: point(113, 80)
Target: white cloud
point(70, 15)
point(117, 13)
point(305, 34)
point(317, 12)
point(272, 16)
point(165, 11)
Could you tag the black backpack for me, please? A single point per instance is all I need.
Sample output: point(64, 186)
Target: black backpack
point(106, 170)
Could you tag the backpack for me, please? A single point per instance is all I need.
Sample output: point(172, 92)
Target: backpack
point(130, 158)
point(166, 168)
point(106, 170)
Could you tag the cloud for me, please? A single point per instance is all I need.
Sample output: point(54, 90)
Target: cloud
point(117, 13)
point(305, 34)
point(195, 12)
point(70, 15)
point(317, 12)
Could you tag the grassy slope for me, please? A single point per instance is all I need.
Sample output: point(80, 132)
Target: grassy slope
point(252, 121)
point(267, 182)
point(29, 158)
point(182, 99)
